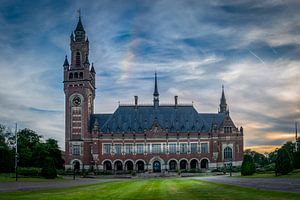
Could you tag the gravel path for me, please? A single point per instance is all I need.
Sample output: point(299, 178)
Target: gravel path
point(24, 186)
point(278, 184)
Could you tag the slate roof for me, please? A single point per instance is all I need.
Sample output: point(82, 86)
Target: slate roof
point(182, 118)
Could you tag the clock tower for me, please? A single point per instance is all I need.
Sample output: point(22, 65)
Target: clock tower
point(79, 88)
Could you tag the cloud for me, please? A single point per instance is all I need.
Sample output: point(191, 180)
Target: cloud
point(250, 46)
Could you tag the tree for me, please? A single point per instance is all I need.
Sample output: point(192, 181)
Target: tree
point(260, 160)
point(6, 152)
point(54, 153)
point(283, 163)
point(248, 166)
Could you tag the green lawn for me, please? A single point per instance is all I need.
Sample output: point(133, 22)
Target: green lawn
point(293, 174)
point(152, 189)
point(9, 177)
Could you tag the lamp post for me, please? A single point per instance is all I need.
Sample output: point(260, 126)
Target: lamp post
point(73, 170)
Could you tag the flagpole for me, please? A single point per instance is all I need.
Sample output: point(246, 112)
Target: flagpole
point(296, 130)
point(16, 156)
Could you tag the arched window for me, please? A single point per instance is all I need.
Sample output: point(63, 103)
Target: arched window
point(227, 153)
point(81, 75)
point(71, 76)
point(76, 75)
point(78, 59)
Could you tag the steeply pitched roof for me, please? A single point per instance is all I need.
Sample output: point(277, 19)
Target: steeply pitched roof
point(79, 26)
point(128, 119)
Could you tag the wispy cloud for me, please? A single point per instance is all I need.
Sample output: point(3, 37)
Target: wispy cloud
point(252, 47)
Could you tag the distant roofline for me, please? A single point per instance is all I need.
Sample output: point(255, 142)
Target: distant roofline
point(151, 105)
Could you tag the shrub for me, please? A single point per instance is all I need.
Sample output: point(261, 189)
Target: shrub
point(236, 169)
point(270, 167)
point(133, 173)
point(49, 171)
point(29, 171)
point(283, 163)
point(248, 167)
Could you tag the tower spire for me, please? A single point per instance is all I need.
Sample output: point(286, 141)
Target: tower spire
point(79, 31)
point(223, 104)
point(155, 94)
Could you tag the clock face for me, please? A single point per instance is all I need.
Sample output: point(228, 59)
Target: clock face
point(76, 101)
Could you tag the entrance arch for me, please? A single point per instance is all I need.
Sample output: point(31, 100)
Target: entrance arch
point(76, 165)
point(107, 166)
point(140, 166)
point(183, 165)
point(129, 165)
point(118, 166)
point(204, 164)
point(172, 165)
point(156, 166)
point(194, 164)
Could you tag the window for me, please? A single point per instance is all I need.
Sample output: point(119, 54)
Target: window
point(172, 148)
point(118, 149)
point(156, 148)
point(204, 147)
point(140, 148)
point(78, 59)
point(227, 129)
point(106, 148)
point(227, 153)
point(76, 150)
point(183, 148)
point(128, 148)
point(194, 148)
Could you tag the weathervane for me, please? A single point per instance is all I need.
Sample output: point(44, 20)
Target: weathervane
point(79, 13)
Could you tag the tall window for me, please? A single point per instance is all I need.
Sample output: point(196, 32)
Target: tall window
point(204, 148)
point(76, 150)
point(118, 149)
point(78, 59)
point(140, 148)
point(156, 148)
point(227, 153)
point(172, 148)
point(128, 148)
point(183, 148)
point(106, 148)
point(193, 147)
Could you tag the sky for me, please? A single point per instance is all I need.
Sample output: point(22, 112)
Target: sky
point(250, 46)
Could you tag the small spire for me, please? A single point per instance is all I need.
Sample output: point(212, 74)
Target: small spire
point(66, 63)
point(92, 69)
point(155, 86)
point(155, 94)
point(223, 104)
point(87, 39)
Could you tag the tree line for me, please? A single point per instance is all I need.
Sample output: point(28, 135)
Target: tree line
point(33, 151)
point(282, 161)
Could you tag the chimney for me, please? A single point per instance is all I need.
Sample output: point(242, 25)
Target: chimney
point(135, 101)
point(176, 100)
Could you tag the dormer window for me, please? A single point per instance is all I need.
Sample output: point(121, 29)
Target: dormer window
point(227, 129)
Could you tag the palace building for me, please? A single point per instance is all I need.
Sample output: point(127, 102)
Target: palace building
point(154, 138)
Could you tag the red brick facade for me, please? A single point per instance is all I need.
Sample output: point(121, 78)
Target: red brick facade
point(99, 145)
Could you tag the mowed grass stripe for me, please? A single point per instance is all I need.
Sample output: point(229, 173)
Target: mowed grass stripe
point(157, 189)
